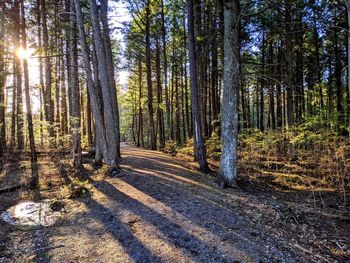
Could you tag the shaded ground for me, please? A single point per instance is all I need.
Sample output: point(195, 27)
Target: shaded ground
point(157, 210)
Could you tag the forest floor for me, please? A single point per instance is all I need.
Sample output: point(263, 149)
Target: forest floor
point(157, 209)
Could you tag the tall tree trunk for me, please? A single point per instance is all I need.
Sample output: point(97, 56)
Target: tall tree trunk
point(13, 110)
point(165, 69)
point(109, 118)
point(100, 134)
point(89, 121)
point(74, 91)
point(110, 68)
point(262, 85)
point(229, 123)
point(48, 102)
point(152, 140)
point(177, 108)
point(2, 84)
point(41, 73)
point(18, 76)
point(63, 103)
point(159, 99)
point(140, 141)
point(272, 87)
point(200, 151)
point(347, 4)
point(338, 78)
point(35, 178)
point(188, 118)
point(289, 65)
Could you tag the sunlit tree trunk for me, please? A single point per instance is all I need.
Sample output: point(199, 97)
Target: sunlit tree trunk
point(35, 179)
point(229, 123)
point(110, 68)
point(108, 101)
point(18, 76)
point(100, 137)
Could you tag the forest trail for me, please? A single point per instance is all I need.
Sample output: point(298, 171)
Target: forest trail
point(157, 210)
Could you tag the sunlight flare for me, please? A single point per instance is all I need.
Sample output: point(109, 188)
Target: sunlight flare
point(24, 53)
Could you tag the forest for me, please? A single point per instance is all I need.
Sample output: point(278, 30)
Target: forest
point(174, 131)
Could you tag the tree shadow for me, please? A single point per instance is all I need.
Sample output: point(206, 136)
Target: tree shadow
point(191, 245)
point(204, 209)
point(135, 249)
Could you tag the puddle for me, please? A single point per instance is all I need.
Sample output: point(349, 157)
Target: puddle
point(31, 214)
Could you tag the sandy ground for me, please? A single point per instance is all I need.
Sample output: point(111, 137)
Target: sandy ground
point(157, 210)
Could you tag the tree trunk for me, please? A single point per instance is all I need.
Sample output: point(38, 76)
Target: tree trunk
point(110, 68)
point(140, 141)
point(159, 99)
point(200, 151)
point(13, 110)
point(347, 4)
point(48, 102)
point(18, 76)
point(262, 85)
point(74, 91)
point(165, 69)
point(152, 140)
point(289, 66)
point(109, 118)
point(100, 135)
point(35, 178)
point(2, 86)
point(229, 123)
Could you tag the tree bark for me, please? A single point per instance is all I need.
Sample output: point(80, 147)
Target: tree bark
point(18, 76)
point(74, 91)
point(48, 102)
point(347, 4)
point(229, 124)
point(100, 137)
point(165, 69)
point(200, 151)
point(110, 68)
point(289, 66)
point(152, 140)
point(34, 168)
point(2, 86)
point(159, 99)
point(109, 118)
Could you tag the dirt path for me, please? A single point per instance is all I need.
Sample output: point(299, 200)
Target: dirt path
point(156, 210)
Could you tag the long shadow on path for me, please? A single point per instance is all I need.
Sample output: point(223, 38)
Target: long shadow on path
point(121, 233)
point(191, 245)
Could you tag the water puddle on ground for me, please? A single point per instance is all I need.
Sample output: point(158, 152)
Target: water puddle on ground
point(31, 214)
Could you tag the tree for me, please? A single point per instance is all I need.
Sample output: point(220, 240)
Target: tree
point(108, 99)
point(35, 179)
point(152, 140)
point(199, 150)
point(347, 4)
point(74, 91)
point(2, 83)
point(48, 102)
point(229, 123)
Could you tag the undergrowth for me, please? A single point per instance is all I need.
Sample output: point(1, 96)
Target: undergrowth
point(297, 159)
